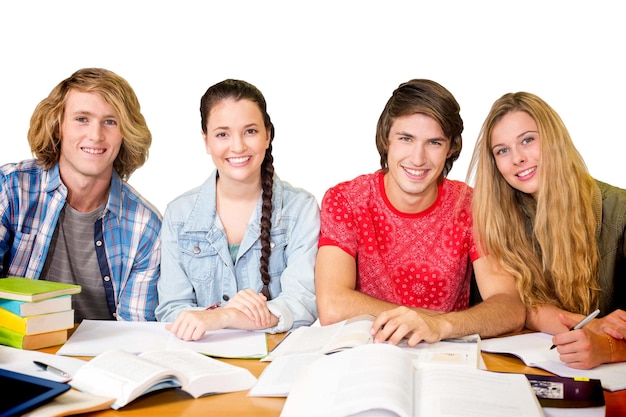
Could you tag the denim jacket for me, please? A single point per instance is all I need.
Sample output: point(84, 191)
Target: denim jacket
point(197, 269)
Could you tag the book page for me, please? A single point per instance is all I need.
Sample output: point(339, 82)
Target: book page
point(464, 351)
point(358, 380)
point(529, 347)
point(574, 412)
point(354, 332)
point(281, 374)
point(464, 391)
point(324, 339)
point(123, 376)
point(201, 375)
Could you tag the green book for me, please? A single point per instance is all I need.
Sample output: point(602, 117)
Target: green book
point(18, 340)
point(26, 289)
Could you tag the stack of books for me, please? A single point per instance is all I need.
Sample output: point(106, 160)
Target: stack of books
point(35, 314)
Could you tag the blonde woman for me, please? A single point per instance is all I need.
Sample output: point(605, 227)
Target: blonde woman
point(556, 229)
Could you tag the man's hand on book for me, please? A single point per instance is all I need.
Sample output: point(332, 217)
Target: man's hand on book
point(403, 322)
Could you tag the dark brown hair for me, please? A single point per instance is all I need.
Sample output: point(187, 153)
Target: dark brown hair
point(242, 90)
point(429, 98)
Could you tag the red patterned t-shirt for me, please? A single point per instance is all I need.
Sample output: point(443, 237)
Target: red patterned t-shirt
point(413, 259)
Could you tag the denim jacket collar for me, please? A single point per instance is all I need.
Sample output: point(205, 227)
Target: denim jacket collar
point(203, 213)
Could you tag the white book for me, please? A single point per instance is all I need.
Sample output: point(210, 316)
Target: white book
point(283, 371)
point(125, 376)
point(381, 380)
point(325, 339)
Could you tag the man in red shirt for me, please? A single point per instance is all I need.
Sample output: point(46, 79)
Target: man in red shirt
point(398, 243)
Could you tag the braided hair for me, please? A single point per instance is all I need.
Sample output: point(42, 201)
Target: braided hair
point(242, 90)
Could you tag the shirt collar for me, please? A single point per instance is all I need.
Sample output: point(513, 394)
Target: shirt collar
point(114, 202)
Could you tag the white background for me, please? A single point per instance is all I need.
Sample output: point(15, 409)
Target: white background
point(326, 69)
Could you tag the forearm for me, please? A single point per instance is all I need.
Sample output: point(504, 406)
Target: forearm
point(545, 318)
point(232, 318)
point(499, 314)
point(347, 303)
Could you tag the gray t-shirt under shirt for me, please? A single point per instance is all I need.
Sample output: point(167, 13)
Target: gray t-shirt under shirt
point(72, 259)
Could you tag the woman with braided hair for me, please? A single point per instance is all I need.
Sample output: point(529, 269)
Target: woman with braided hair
point(244, 241)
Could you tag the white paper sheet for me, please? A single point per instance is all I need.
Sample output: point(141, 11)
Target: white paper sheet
point(93, 337)
point(21, 360)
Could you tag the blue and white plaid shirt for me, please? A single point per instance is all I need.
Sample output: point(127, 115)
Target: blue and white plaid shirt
point(127, 241)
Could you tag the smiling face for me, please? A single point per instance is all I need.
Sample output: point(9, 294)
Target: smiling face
point(417, 155)
point(90, 138)
point(516, 148)
point(236, 139)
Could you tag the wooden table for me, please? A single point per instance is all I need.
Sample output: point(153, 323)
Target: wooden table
point(177, 403)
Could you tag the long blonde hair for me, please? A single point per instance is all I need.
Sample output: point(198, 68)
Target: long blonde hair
point(557, 263)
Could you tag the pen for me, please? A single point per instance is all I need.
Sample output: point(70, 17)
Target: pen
point(583, 322)
point(52, 369)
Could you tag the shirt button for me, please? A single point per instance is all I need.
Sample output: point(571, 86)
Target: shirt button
point(107, 278)
point(98, 243)
point(225, 297)
point(196, 250)
point(272, 244)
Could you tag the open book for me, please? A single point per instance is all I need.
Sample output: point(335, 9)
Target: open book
point(126, 376)
point(534, 350)
point(325, 339)
point(383, 380)
point(284, 370)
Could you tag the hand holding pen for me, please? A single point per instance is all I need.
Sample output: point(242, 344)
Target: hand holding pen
point(582, 323)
